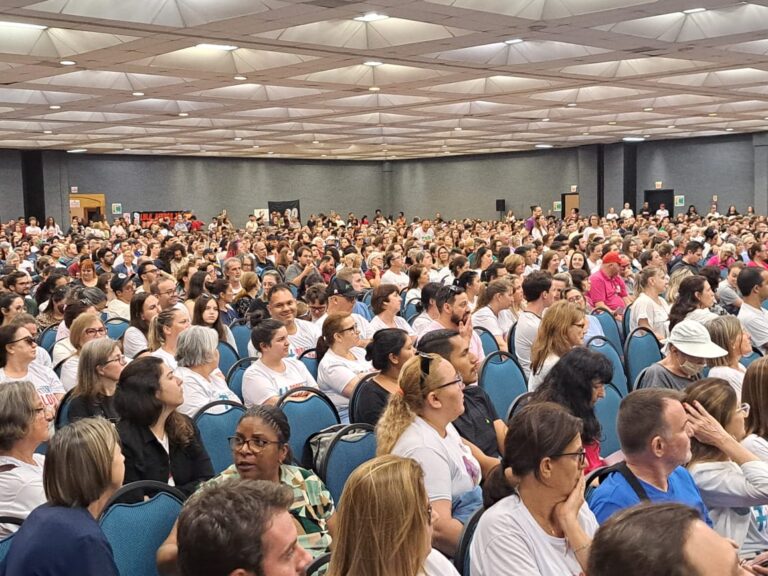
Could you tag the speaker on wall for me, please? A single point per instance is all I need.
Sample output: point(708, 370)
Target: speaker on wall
point(501, 205)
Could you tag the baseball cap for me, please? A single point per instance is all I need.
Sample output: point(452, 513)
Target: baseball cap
point(339, 287)
point(119, 281)
point(691, 338)
point(612, 258)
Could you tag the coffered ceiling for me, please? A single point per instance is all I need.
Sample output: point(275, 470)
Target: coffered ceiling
point(372, 80)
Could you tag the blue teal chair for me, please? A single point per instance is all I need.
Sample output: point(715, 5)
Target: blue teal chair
point(610, 329)
point(345, 453)
point(216, 428)
point(116, 327)
point(306, 415)
point(641, 349)
point(47, 339)
point(511, 339)
point(242, 335)
point(601, 345)
point(461, 560)
point(309, 358)
point(235, 375)
point(607, 411)
point(503, 379)
point(5, 546)
point(62, 414)
point(228, 357)
point(747, 360)
point(490, 345)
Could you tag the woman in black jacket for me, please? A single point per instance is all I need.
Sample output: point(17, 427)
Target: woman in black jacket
point(158, 442)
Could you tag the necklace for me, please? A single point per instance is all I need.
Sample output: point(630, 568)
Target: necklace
point(545, 524)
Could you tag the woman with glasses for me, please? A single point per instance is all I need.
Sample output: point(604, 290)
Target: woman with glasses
point(385, 500)
point(85, 328)
point(159, 443)
point(274, 373)
point(417, 424)
point(536, 521)
point(144, 307)
point(733, 481)
point(342, 361)
point(24, 426)
point(577, 382)
point(18, 351)
point(260, 451)
point(101, 363)
point(562, 328)
point(650, 310)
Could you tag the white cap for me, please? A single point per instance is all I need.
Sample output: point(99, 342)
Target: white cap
point(692, 339)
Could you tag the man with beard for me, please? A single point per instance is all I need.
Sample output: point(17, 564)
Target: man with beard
point(106, 258)
point(453, 308)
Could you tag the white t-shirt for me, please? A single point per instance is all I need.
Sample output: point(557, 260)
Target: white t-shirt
point(305, 337)
point(485, 318)
point(399, 279)
point(261, 383)
point(536, 379)
point(525, 334)
point(421, 324)
point(199, 391)
point(509, 542)
point(437, 565)
point(506, 320)
point(69, 372)
point(118, 309)
point(755, 321)
point(734, 376)
point(449, 468)
point(378, 324)
point(21, 489)
point(43, 358)
point(134, 342)
point(166, 357)
point(61, 350)
point(44, 379)
point(657, 314)
point(335, 372)
point(757, 445)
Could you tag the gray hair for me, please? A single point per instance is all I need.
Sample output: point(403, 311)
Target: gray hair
point(196, 346)
point(17, 409)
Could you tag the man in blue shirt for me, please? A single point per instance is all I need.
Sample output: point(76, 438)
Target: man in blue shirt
point(655, 437)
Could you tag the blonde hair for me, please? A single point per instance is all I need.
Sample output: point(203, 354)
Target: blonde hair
point(155, 334)
point(78, 464)
point(386, 500)
point(552, 337)
point(94, 354)
point(755, 393)
point(726, 332)
point(80, 325)
point(248, 281)
point(407, 403)
point(674, 283)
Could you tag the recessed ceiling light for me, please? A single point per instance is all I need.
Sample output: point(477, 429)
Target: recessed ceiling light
point(671, 126)
point(513, 41)
point(374, 88)
point(458, 128)
point(54, 107)
point(545, 119)
point(585, 133)
point(633, 139)
point(373, 63)
point(126, 149)
point(67, 62)
point(323, 155)
point(77, 150)
point(240, 77)
point(371, 17)
point(447, 152)
point(444, 146)
point(729, 129)
point(694, 10)
point(646, 136)
point(47, 131)
point(612, 122)
point(648, 109)
point(183, 114)
point(222, 47)
point(24, 25)
point(256, 146)
point(543, 146)
point(315, 141)
point(270, 152)
point(237, 139)
point(572, 105)
point(137, 93)
point(712, 114)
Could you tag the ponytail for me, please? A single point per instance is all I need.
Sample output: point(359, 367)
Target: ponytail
point(397, 416)
point(496, 486)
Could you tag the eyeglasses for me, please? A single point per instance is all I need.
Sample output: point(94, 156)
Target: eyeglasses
point(456, 380)
point(28, 339)
point(580, 325)
point(318, 308)
point(255, 445)
point(96, 331)
point(581, 454)
point(745, 408)
point(121, 359)
point(351, 328)
point(167, 292)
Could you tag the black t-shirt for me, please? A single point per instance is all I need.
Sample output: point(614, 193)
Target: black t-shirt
point(371, 402)
point(476, 424)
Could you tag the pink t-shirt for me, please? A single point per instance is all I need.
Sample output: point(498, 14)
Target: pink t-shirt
point(610, 291)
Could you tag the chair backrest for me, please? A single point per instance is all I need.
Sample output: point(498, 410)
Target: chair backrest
point(309, 358)
point(610, 329)
point(640, 351)
point(607, 411)
point(228, 356)
point(315, 568)
point(354, 401)
point(235, 375)
point(411, 308)
point(511, 339)
point(747, 360)
point(461, 560)
point(5, 545)
point(626, 322)
point(601, 345)
point(345, 454)
point(594, 479)
point(488, 340)
point(242, 336)
point(47, 339)
point(215, 430)
point(136, 531)
point(503, 379)
point(519, 403)
point(62, 413)
point(116, 327)
point(366, 296)
point(306, 415)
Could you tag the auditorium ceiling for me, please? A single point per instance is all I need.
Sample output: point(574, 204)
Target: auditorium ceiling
point(392, 79)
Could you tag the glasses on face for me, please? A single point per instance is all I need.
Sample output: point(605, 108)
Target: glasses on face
point(456, 380)
point(744, 408)
point(167, 292)
point(96, 331)
point(28, 339)
point(318, 308)
point(121, 359)
point(580, 454)
point(350, 329)
point(255, 445)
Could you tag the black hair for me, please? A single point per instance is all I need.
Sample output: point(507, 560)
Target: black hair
point(264, 331)
point(385, 342)
point(535, 284)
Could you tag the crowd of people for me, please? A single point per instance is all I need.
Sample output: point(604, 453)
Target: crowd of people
point(391, 311)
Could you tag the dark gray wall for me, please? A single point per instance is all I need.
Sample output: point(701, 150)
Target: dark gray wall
point(11, 193)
